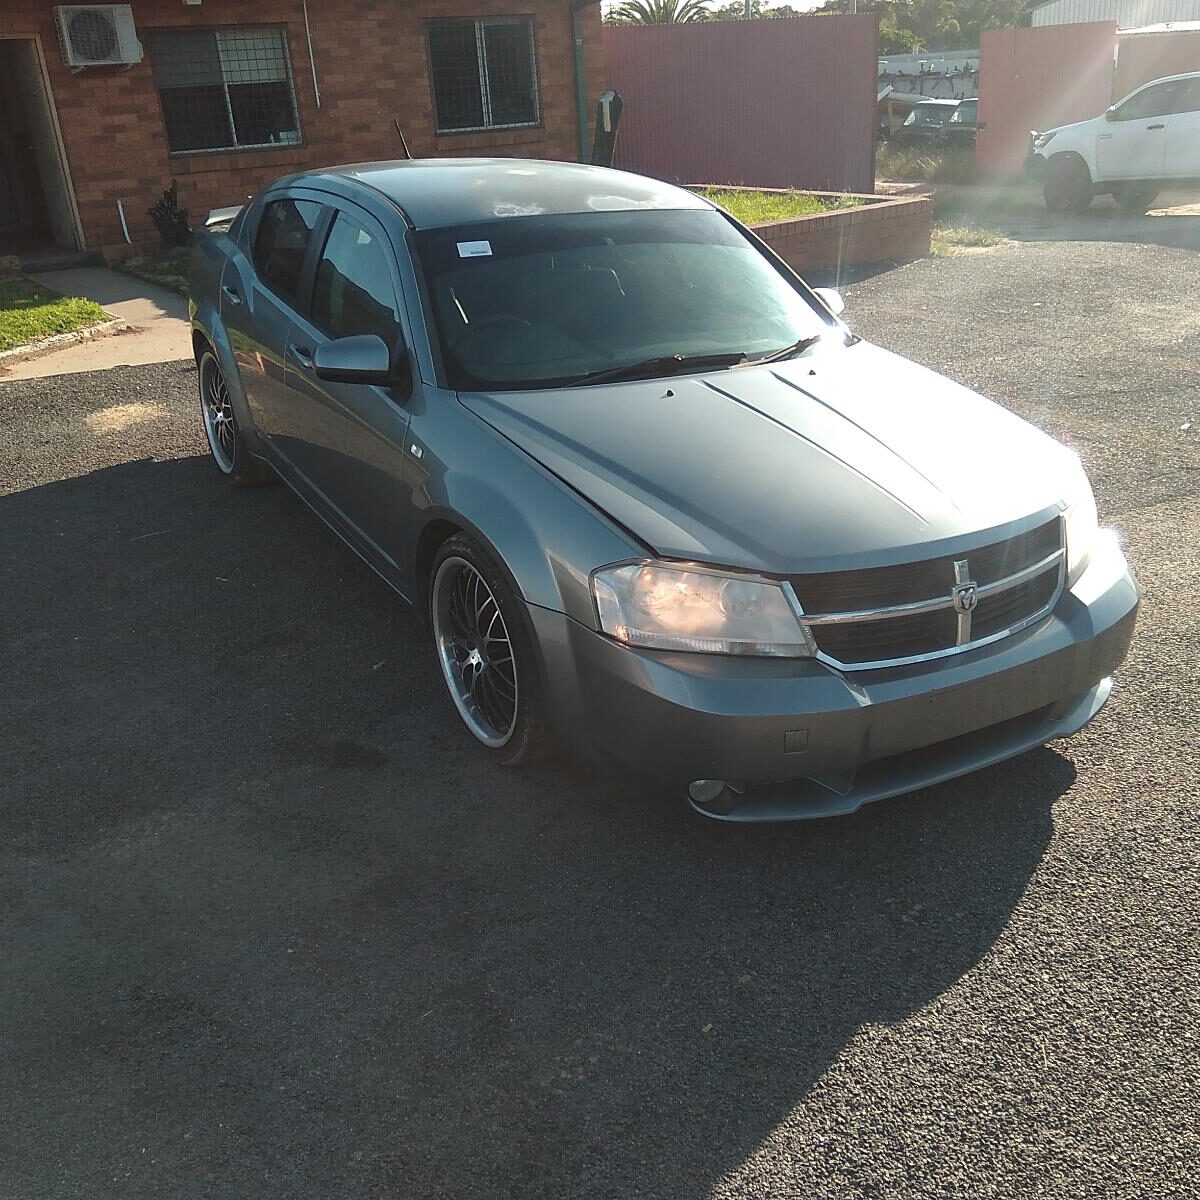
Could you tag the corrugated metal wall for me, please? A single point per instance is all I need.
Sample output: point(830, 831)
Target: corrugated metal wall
point(1037, 79)
point(788, 102)
point(1128, 14)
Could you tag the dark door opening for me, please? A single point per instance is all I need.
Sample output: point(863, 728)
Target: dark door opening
point(36, 206)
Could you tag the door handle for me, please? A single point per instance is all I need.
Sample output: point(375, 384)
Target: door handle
point(231, 294)
point(301, 355)
point(1156, 126)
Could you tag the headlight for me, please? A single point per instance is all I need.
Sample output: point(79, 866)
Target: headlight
point(1079, 517)
point(665, 607)
point(1044, 139)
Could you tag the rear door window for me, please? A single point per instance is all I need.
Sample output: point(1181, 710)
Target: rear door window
point(281, 244)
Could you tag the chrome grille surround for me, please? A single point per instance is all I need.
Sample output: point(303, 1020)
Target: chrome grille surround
point(939, 624)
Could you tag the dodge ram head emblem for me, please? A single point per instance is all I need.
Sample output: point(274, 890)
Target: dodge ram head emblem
point(965, 592)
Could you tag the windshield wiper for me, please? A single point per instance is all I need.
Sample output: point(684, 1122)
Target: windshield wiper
point(787, 351)
point(663, 364)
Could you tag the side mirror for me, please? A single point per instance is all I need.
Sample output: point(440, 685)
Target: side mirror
point(1111, 114)
point(981, 126)
point(363, 358)
point(832, 299)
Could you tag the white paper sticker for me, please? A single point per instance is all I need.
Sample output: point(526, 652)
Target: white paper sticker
point(474, 249)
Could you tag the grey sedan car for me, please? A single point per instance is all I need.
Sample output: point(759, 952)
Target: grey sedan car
point(659, 505)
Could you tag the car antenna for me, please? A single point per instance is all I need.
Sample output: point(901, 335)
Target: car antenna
point(400, 132)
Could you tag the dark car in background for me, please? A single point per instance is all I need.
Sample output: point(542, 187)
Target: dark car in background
point(939, 123)
point(657, 503)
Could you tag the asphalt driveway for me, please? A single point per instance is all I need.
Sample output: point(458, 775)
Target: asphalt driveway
point(270, 927)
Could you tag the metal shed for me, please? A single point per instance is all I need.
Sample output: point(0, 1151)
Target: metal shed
point(1128, 14)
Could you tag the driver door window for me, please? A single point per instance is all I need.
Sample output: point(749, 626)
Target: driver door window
point(353, 291)
point(1156, 101)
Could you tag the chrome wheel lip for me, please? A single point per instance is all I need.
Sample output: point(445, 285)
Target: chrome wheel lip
point(220, 427)
point(485, 692)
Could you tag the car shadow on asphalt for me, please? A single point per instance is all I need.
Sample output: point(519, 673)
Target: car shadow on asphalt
point(270, 917)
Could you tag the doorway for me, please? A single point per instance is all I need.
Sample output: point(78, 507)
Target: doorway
point(37, 204)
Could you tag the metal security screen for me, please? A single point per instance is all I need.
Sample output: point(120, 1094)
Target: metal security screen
point(484, 74)
point(224, 89)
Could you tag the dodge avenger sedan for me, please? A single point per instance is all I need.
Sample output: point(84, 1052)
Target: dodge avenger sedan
point(658, 503)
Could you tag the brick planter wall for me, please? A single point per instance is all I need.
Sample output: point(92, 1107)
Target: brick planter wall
point(881, 229)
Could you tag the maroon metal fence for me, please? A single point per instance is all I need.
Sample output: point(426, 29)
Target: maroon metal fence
point(1037, 79)
point(788, 102)
point(1142, 57)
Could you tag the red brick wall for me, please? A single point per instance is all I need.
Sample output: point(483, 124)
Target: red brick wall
point(372, 69)
point(878, 230)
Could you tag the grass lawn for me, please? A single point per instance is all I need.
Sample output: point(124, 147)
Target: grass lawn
point(29, 313)
point(753, 208)
point(948, 239)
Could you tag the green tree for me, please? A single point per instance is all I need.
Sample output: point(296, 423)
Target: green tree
point(934, 24)
point(735, 10)
point(658, 12)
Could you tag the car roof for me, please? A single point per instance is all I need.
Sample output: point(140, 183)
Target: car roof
point(436, 192)
point(953, 103)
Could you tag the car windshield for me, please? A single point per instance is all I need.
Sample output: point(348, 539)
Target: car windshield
point(927, 115)
point(541, 301)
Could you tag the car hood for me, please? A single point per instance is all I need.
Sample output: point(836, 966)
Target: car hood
point(811, 464)
point(1074, 125)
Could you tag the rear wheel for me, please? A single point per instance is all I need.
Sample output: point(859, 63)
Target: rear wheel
point(486, 653)
point(1068, 186)
point(225, 441)
point(1135, 199)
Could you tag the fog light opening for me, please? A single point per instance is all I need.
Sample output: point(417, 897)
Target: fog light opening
point(705, 791)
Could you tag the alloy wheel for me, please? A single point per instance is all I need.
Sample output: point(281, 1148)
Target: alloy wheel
point(219, 424)
point(475, 652)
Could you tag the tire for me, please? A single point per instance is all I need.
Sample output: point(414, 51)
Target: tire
point(225, 442)
point(1135, 199)
point(1068, 187)
point(484, 645)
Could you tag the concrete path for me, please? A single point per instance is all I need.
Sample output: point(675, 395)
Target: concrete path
point(160, 330)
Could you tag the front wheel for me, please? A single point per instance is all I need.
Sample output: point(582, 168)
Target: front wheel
point(1068, 186)
point(225, 441)
point(485, 649)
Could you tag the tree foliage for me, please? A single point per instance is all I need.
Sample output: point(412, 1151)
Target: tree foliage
point(658, 12)
point(906, 26)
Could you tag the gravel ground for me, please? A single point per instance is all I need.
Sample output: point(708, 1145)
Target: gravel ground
point(271, 928)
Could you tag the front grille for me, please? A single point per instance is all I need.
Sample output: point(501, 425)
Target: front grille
point(866, 632)
point(883, 587)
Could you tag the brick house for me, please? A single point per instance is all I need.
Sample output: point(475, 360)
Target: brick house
point(229, 94)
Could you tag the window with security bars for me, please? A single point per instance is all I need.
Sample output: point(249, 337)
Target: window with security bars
point(484, 74)
point(225, 89)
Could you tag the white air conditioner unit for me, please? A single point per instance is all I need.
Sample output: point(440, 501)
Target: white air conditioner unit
point(97, 35)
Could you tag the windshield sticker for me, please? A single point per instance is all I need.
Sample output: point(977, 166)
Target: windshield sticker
point(474, 249)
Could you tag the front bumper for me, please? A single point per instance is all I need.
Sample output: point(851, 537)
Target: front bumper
point(797, 739)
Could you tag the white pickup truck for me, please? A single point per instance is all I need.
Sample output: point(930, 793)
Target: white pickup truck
point(1149, 141)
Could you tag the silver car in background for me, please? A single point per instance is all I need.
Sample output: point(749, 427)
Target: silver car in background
point(660, 506)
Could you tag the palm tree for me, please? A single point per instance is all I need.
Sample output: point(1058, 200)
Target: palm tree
point(658, 12)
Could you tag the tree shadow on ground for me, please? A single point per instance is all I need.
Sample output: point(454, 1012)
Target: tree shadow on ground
point(273, 928)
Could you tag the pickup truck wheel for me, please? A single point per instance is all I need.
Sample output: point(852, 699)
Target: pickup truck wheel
point(485, 649)
point(1135, 199)
point(225, 441)
point(1068, 187)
